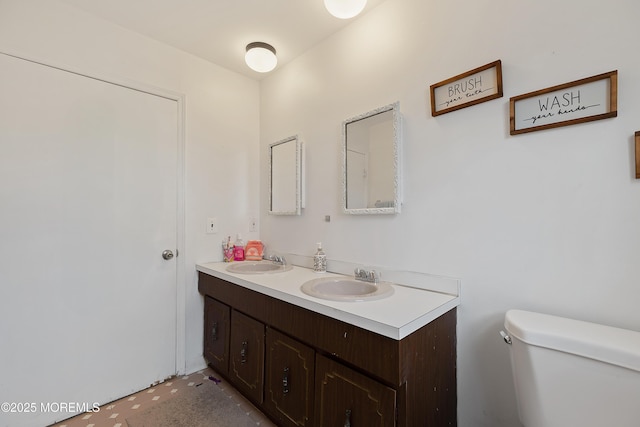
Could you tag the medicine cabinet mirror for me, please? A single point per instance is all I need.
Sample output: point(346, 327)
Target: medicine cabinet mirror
point(371, 145)
point(285, 177)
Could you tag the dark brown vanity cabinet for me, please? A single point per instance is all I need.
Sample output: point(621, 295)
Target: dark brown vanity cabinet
point(346, 398)
point(306, 369)
point(217, 323)
point(246, 347)
point(289, 381)
point(234, 346)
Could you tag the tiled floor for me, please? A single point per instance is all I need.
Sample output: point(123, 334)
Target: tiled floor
point(115, 413)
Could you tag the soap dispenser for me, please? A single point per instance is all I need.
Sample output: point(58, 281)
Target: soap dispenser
point(319, 260)
point(238, 249)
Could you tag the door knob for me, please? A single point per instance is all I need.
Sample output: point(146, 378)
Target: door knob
point(167, 254)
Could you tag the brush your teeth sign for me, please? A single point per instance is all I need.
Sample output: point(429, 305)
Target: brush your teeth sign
point(584, 100)
point(466, 89)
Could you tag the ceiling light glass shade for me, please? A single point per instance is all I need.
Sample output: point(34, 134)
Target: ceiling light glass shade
point(261, 57)
point(345, 9)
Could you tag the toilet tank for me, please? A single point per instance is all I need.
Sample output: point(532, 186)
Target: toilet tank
point(572, 373)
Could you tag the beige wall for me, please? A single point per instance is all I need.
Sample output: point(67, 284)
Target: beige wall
point(546, 221)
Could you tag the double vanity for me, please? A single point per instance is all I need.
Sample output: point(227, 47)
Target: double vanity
point(327, 350)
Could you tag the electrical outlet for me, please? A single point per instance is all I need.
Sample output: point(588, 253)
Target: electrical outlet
point(212, 225)
point(252, 224)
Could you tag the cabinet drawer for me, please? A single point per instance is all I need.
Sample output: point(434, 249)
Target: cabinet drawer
point(346, 397)
point(289, 380)
point(217, 318)
point(246, 364)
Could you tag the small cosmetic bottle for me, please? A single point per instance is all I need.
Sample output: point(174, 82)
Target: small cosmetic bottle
point(319, 260)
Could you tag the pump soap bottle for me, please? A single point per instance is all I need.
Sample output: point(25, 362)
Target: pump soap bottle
point(319, 260)
point(238, 249)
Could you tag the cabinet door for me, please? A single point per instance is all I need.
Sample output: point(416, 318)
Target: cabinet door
point(347, 398)
point(289, 380)
point(217, 318)
point(246, 368)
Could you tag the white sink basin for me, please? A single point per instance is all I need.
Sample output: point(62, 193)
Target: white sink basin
point(257, 267)
point(346, 289)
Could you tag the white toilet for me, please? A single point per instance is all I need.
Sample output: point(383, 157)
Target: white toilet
point(569, 373)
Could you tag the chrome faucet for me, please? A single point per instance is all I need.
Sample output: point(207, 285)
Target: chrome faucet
point(278, 259)
point(370, 276)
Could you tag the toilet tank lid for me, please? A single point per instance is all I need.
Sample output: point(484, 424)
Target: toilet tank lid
point(604, 343)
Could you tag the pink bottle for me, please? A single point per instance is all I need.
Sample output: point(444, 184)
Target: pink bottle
point(238, 249)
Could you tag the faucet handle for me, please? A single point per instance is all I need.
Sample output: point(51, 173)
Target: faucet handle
point(374, 276)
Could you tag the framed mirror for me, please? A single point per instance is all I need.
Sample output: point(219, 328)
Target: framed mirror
point(285, 177)
point(371, 144)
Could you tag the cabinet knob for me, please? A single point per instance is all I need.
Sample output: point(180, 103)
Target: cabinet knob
point(214, 331)
point(347, 420)
point(243, 352)
point(285, 380)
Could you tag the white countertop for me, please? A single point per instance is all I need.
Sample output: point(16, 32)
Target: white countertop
point(397, 316)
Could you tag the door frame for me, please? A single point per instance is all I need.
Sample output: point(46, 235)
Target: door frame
point(180, 99)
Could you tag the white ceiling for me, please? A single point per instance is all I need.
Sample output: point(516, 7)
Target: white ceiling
point(219, 30)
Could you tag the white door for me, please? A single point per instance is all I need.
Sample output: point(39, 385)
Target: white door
point(88, 190)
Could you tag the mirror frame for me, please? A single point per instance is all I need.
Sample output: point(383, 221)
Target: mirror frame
point(397, 146)
point(299, 180)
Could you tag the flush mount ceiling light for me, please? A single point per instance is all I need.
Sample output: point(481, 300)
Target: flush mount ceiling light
point(345, 9)
point(261, 57)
